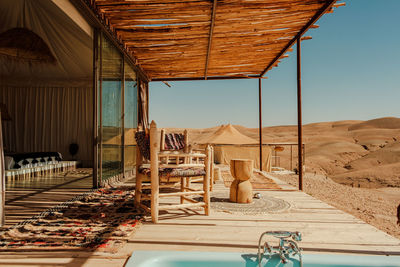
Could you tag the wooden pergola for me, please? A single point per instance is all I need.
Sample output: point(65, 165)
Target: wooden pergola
point(170, 40)
point(208, 39)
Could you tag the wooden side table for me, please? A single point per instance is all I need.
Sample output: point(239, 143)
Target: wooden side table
point(241, 190)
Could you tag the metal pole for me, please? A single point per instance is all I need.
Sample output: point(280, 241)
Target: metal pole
point(260, 120)
point(2, 180)
point(299, 119)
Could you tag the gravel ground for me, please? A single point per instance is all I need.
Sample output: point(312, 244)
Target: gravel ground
point(377, 207)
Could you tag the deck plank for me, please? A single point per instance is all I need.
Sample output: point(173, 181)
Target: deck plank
point(324, 228)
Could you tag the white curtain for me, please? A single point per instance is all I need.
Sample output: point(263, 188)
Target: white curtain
point(49, 119)
point(2, 179)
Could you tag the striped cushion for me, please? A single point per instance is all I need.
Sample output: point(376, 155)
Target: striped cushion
point(174, 141)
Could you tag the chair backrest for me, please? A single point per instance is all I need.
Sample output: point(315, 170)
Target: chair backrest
point(168, 142)
point(174, 141)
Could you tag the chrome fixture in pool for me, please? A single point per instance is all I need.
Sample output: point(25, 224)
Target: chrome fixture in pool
point(285, 249)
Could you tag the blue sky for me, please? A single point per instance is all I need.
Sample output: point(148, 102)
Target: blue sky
point(350, 70)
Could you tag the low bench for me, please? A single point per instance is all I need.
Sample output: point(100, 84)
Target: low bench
point(40, 170)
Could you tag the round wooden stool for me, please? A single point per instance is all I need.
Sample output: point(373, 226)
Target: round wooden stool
point(241, 190)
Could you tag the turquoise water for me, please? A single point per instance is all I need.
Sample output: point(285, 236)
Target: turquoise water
point(227, 259)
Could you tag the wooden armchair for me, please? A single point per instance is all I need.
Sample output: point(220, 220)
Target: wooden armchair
point(163, 169)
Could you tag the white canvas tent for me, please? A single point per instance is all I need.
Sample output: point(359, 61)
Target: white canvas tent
point(51, 103)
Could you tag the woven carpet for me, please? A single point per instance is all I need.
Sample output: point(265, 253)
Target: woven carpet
point(101, 220)
point(264, 205)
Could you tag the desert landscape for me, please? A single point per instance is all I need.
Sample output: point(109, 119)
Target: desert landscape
point(352, 165)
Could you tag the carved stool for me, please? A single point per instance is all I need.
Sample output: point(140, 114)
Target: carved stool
point(241, 190)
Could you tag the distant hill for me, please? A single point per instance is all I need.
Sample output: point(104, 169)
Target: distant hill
point(382, 123)
point(353, 152)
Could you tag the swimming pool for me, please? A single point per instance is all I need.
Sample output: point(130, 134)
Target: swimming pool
point(229, 259)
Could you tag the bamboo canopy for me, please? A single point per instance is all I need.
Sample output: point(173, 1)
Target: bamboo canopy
point(208, 39)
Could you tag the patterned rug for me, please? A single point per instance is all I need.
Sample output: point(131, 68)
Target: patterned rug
point(258, 181)
point(102, 220)
point(264, 205)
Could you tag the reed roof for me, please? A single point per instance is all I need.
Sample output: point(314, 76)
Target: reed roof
point(208, 39)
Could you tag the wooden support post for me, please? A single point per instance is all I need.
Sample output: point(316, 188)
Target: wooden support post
point(123, 118)
point(291, 158)
point(100, 101)
point(139, 177)
point(304, 157)
point(212, 168)
point(162, 140)
point(2, 179)
point(206, 181)
point(299, 118)
point(95, 181)
point(186, 137)
point(260, 120)
point(155, 186)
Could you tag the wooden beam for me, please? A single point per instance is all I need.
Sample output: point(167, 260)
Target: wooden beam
point(325, 8)
point(202, 78)
point(214, 11)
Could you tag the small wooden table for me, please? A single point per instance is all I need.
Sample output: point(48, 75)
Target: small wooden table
point(241, 190)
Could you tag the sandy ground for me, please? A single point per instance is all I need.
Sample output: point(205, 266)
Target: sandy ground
point(377, 207)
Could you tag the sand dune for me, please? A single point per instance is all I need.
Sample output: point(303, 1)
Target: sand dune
point(386, 123)
point(353, 152)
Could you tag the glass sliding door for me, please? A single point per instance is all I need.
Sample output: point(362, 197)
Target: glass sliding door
point(117, 112)
point(130, 117)
point(111, 109)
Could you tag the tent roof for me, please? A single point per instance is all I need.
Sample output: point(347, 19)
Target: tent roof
point(209, 39)
point(227, 134)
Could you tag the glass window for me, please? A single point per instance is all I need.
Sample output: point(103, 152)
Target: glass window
point(111, 105)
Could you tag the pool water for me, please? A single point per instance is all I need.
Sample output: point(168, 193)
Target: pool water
point(229, 259)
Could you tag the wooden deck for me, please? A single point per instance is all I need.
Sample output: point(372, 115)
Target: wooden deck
point(28, 197)
point(324, 229)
